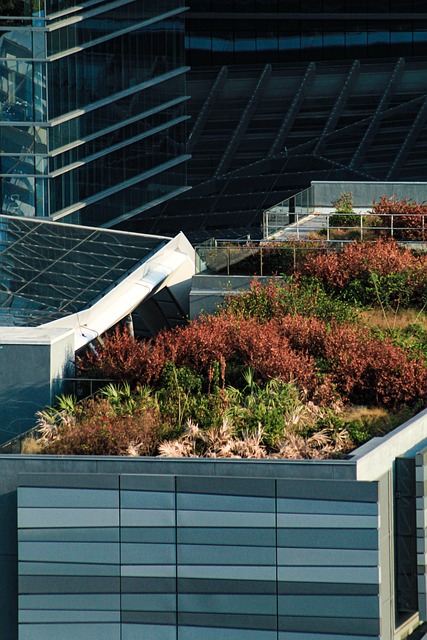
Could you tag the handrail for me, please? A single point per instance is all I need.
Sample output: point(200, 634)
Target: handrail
point(368, 225)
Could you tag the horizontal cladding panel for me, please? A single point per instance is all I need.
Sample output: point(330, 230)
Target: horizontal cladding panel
point(328, 538)
point(88, 552)
point(148, 553)
point(149, 617)
point(224, 535)
point(51, 518)
point(421, 519)
point(89, 480)
point(214, 554)
point(362, 575)
point(229, 620)
point(62, 584)
point(148, 585)
point(421, 488)
point(331, 557)
point(62, 631)
point(71, 601)
point(61, 534)
point(292, 635)
point(66, 569)
point(227, 603)
point(224, 519)
point(149, 602)
point(209, 502)
point(231, 587)
point(227, 572)
point(142, 535)
point(226, 486)
point(148, 570)
point(147, 500)
point(135, 482)
point(328, 490)
point(308, 520)
point(329, 625)
point(58, 497)
point(34, 616)
point(328, 588)
point(147, 518)
point(203, 633)
point(148, 632)
point(421, 502)
point(294, 505)
point(334, 606)
point(421, 470)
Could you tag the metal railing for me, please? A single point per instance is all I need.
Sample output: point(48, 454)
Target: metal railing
point(361, 225)
point(259, 258)
point(318, 232)
point(288, 212)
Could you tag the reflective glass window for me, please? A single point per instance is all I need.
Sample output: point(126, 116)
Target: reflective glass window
point(311, 42)
point(115, 168)
point(401, 38)
point(356, 40)
point(379, 41)
point(420, 41)
point(116, 112)
point(290, 42)
point(113, 66)
point(99, 144)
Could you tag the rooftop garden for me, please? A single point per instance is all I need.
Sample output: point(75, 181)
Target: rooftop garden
point(309, 365)
point(403, 220)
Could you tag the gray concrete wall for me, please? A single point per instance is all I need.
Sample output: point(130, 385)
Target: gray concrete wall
point(208, 291)
point(364, 193)
point(24, 386)
point(30, 362)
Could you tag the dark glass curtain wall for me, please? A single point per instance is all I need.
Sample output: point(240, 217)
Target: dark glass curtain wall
point(263, 31)
point(92, 114)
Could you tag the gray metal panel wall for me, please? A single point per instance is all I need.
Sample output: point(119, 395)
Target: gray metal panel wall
point(328, 576)
point(148, 557)
point(206, 558)
point(421, 489)
point(69, 562)
point(364, 193)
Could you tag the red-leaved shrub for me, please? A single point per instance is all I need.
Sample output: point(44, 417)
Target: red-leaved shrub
point(122, 357)
point(358, 259)
point(405, 219)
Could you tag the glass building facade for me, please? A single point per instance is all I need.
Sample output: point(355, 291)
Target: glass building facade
point(268, 31)
point(92, 108)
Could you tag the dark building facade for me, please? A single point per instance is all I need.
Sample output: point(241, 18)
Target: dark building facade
point(261, 31)
point(92, 114)
point(95, 123)
point(286, 92)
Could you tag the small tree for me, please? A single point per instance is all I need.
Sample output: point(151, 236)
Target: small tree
point(344, 215)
